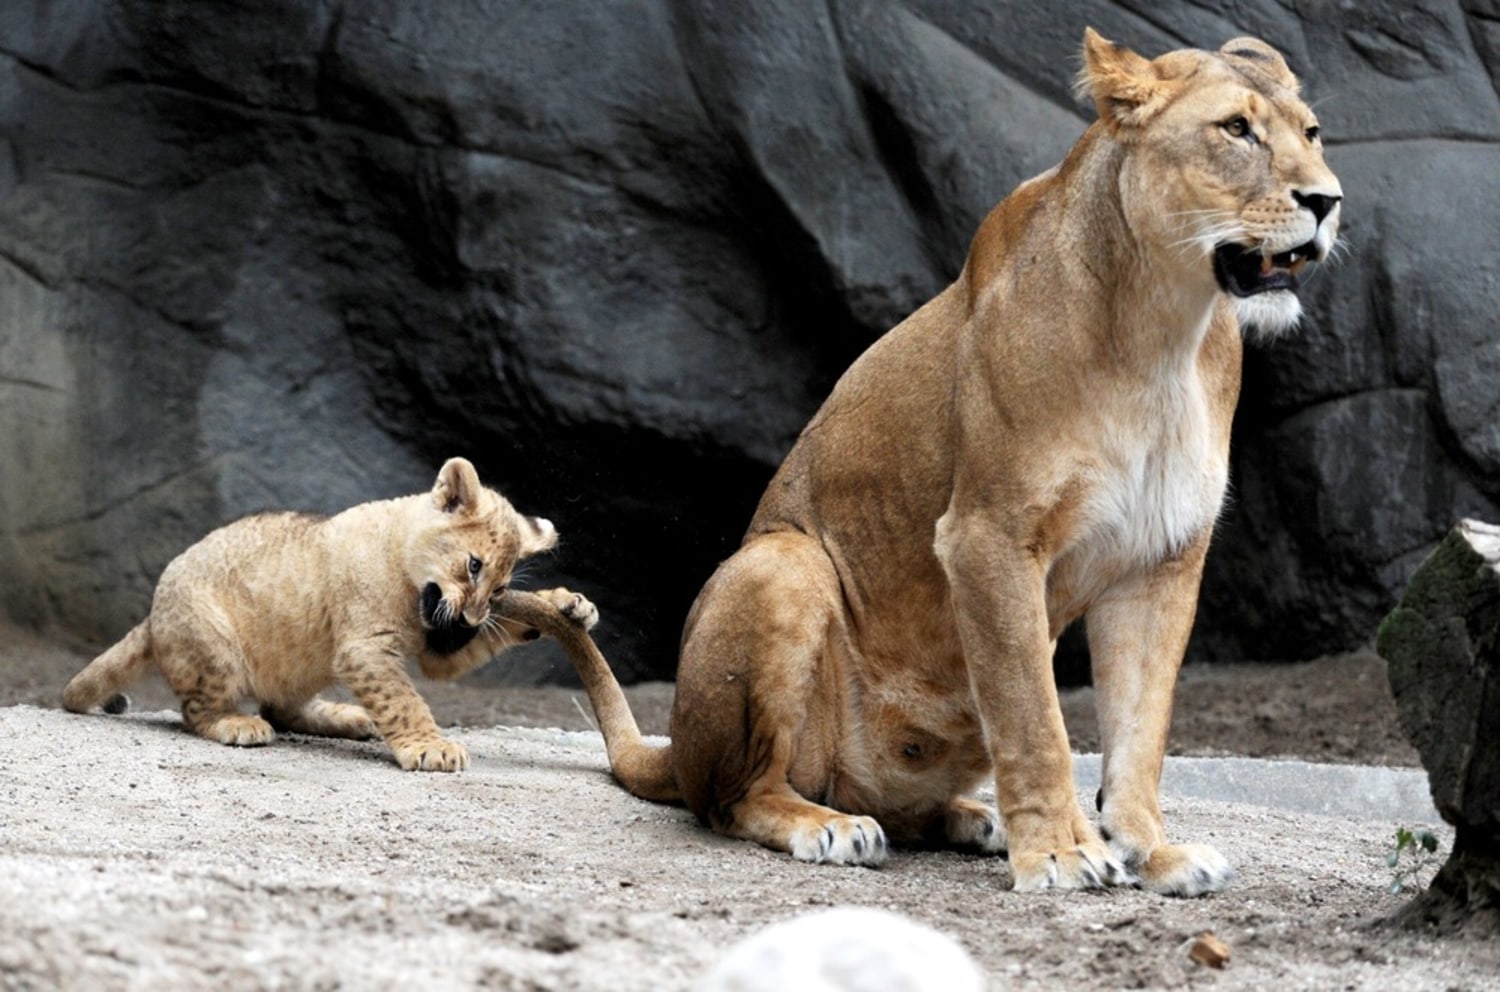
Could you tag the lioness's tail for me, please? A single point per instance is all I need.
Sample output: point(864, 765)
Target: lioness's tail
point(643, 769)
point(100, 683)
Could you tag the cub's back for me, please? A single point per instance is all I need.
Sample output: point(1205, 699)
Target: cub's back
point(270, 566)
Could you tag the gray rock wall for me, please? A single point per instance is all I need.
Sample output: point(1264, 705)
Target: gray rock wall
point(296, 252)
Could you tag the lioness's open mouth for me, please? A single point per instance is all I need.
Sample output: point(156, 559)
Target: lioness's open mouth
point(1246, 271)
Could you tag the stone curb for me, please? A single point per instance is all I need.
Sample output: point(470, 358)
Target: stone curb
point(1364, 792)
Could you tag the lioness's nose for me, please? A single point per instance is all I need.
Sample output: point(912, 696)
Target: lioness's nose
point(1321, 204)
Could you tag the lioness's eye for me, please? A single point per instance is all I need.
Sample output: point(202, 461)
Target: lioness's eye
point(475, 565)
point(1239, 127)
point(1314, 133)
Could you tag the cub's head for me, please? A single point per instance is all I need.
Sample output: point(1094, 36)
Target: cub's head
point(1223, 172)
point(463, 552)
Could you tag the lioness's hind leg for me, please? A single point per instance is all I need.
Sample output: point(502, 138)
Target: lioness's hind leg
point(322, 718)
point(753, 723)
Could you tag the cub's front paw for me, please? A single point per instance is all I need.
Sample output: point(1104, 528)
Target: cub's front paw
point(573, 606)
point(433, 755)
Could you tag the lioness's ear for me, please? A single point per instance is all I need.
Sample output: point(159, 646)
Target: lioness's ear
point(537, 534)
point(457, 487)
point(1265, 58)
point(1124, 86)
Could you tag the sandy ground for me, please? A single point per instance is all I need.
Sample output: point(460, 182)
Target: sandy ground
point(133, 855)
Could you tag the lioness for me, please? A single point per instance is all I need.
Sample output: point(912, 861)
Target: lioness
point(279, 606)
point(1045, 440)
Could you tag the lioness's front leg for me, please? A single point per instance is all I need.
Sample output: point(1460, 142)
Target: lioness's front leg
point(1137, 635)
point(375, 671)
point(999, 604)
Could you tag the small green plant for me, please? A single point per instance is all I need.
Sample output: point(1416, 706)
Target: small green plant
point(1413, 854)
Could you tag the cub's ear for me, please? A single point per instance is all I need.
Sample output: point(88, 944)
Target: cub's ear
point(457, 487)
point(537, 534)
point(1125, 87)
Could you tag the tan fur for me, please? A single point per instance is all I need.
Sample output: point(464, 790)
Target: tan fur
point(1045, 440)
point(276, 608)
point(644, 768)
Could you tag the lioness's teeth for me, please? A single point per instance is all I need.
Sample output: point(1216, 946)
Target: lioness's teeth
point(1298, 264)
point(1265, 265)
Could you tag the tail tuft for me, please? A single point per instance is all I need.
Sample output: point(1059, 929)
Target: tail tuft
point(116, 704)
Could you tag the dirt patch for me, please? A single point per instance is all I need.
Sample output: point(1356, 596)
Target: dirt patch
point(135, 855)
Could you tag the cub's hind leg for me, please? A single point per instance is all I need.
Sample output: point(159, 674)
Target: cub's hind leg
point(206, 668)
point(753, 725)
point(322, 718)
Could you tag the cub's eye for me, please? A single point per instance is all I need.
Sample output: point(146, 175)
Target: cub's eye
point(1314, 133)
point(499, 591)
point(474, 566)
point(1239, 127)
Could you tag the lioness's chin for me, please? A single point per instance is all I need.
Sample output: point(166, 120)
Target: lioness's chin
point(1269, 315)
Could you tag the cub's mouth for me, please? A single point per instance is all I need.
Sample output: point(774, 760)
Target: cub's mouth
point(446, 634)
point(1243, 271)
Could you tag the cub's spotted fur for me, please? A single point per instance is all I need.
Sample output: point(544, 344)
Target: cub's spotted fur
point(276, 608)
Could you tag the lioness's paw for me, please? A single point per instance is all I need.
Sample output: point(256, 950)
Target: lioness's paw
point(1087, 866)
point(574, 606)
point(1185, 870)
point(841, 840)
point(968, 823)
point(436, 755)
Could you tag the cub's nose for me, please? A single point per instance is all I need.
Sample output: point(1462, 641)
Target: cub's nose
point(1321, 204)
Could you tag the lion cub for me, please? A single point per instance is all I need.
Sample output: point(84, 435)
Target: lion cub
point(279, 606)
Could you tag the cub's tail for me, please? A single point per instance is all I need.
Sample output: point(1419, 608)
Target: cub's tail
point(100, 683)
point(643, 769)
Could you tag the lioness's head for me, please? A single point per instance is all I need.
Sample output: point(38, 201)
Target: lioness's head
point(1224, 167)
point(463, 554)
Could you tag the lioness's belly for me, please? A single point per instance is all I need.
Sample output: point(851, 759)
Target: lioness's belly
point(911, 741)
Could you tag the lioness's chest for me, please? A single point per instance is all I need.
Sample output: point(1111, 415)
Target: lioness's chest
point(1149, 487)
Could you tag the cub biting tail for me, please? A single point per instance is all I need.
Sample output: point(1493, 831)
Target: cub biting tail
point(277, 607)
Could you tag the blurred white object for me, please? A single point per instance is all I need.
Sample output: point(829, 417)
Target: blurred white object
point(847, 949)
